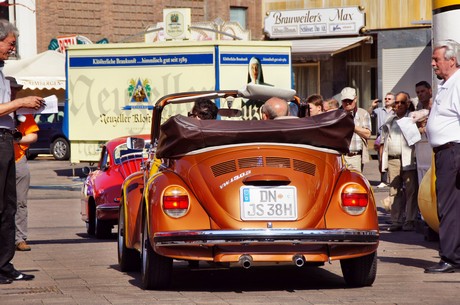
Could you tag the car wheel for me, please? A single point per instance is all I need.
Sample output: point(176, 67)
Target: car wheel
point(156, 271)
point(103, 229)
point(60, 149)
point(360, 271)
point(128, 259)
point(30, 156)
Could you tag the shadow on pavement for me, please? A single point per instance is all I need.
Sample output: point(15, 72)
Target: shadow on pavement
point(258, 278)
point(406, 261)
point(83, 239)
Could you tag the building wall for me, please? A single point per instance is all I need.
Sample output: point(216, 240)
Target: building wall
point(404, 58)
point(121, 20)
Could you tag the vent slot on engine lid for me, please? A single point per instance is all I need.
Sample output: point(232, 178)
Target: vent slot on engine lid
point(251, 162)
point(278, 162)
point(223, 168)
point(304, 167)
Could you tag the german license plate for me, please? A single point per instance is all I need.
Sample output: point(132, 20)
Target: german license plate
point(268, 203)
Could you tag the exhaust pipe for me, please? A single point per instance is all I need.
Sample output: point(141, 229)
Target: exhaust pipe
point(299, 260)
point(245, 261)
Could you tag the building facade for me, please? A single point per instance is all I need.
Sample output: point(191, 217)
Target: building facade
point(116, 20)
point(390, 52)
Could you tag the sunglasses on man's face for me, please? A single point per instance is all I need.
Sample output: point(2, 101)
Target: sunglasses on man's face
point(400, 102)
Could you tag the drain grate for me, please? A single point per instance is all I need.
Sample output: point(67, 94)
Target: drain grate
point(29, 290)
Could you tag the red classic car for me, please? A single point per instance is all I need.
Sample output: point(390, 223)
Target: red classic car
point(246, 192)
point(101, 191)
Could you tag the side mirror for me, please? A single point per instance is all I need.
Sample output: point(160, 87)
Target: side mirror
point(135, 143)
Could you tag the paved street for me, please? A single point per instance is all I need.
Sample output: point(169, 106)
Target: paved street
point(72, 268)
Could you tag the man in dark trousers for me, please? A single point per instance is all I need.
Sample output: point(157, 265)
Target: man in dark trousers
point(443, 131)
point(8, 35)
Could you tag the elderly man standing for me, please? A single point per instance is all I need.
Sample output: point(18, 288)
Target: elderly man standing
point(443, 131)
point(399, 159)
point(359, 154)
point(8, 35)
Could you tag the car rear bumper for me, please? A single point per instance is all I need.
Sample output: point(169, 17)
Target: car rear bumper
point(107, 211)
point(209, 238)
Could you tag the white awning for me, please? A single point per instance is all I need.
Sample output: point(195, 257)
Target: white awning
point(43, 71)
point(326, 47)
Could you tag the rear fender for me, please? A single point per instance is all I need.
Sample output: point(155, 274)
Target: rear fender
point(337, 217)
point(195, 219)
point(132, 189)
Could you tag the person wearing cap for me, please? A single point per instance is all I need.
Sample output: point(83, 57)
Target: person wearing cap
point(28, 128)
point(8, 274)
point(358, 153)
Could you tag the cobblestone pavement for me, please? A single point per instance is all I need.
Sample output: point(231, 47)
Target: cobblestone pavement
point(72, 268)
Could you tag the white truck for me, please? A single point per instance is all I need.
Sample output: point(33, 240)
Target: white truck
point(112, 88)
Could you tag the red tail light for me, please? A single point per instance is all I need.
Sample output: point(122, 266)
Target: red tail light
point(175, 201)
point(354, 199)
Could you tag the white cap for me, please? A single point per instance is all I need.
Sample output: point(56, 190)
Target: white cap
point(348, 93)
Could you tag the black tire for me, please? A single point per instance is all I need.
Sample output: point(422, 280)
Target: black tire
point(156, 271)
point(60, 149)
point(102, 229)
point(30, 156)
point(128, 259)
point(360, 271)
point(91, 223)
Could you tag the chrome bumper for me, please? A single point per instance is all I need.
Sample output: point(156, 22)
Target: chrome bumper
point(209, 238)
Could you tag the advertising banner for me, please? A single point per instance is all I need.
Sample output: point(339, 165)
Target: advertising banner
point(112, 88)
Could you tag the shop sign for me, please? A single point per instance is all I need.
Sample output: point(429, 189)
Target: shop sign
point(177, 23)
point(314, 22)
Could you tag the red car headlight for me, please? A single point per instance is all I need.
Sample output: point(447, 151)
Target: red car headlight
point(176, 201)
point(354, 199)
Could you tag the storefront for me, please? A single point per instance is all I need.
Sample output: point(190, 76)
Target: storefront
point(330, 50)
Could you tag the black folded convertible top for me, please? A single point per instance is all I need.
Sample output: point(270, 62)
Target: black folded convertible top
point(180, 135)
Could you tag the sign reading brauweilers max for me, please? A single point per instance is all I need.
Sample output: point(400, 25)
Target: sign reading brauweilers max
point(314, 22)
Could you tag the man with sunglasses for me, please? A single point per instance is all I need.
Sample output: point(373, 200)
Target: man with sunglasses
point(398, 158)
point(443, 131)
point(382, 114)
point(8, 35)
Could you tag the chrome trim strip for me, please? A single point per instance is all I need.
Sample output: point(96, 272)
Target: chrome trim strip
point(210, 238)
point(108, 208)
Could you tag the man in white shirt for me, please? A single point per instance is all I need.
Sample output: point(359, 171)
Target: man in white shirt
point(398, 157)
point(8, 274)
point(359, 154)
point(443, 131)
point(382, 114)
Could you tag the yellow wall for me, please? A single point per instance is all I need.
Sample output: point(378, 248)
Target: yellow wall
point(380, 14)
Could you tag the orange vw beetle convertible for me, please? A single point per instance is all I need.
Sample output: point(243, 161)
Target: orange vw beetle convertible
point(242, 192)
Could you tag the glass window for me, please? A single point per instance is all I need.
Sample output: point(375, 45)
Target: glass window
point(105, 159)
point(306, 78)
point(239, 14)
point(4, 11)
